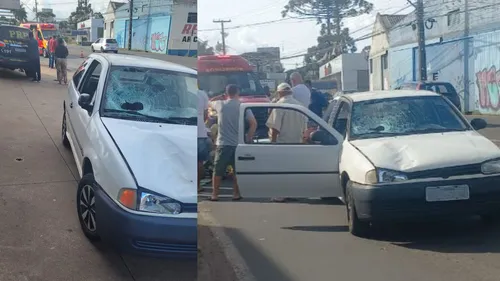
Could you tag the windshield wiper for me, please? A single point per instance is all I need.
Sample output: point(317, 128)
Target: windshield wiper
point(150, 117)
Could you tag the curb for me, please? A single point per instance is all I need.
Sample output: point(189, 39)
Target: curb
point(232, 254)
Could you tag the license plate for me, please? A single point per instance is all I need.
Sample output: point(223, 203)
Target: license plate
point(447, 193)
point(20, 50)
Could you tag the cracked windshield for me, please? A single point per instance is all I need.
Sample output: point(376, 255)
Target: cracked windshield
point(151, 93)
point(403, 116)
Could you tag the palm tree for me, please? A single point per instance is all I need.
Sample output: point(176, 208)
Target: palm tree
point(20, 14)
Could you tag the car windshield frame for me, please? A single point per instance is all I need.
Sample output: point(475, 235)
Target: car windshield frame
point(461, 119)
point(206, 75)
point(142, 117)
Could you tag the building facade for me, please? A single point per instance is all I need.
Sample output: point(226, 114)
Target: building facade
point(92, 28)
point(158, 26)
point(350, 71)
point(469, 61)
point(379, 51)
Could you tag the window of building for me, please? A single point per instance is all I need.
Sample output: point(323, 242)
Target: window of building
point(384, 61)
point(371, 66)
point(453, 17)
point(192, 18)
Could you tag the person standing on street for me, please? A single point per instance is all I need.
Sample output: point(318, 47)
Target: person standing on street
point(300, 91)
point(61, 53)
point(318, 100)
point(52, 50)
point(286, 126)
point(34, 56)
point(227, 139)
point(203, 141)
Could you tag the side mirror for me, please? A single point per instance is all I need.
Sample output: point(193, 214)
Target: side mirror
point(478, 123)
point(84, 101)
point(323, 137)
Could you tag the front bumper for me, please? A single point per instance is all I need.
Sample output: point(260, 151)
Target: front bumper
point(408, 200)
point(142, 234)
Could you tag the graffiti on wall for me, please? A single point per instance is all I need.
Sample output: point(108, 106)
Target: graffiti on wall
point(488, 85)
point(159, 42)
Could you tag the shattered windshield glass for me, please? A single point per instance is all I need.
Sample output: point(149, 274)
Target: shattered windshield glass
point(404, 116)
point(147, 94)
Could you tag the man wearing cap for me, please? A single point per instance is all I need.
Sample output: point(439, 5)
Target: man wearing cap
point(228, 115)
point(285, 125)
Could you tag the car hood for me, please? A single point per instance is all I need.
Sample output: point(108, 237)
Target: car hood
point(162, 157)
point(428, 151)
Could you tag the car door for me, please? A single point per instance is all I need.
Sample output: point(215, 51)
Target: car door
point(81, 116)
point(97, 44)
point(265, 169)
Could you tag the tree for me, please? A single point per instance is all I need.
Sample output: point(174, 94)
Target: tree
point(98, 16)
point(20, 15)
point(204, 49)
point(366, 49)
point(45, 16)
point(334, 39)
point(82, 13)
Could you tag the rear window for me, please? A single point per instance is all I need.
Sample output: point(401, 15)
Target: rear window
point(110, 41)
point(13, 33)
point(443, 88)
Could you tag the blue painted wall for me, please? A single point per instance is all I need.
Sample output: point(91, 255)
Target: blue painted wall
point(150, 34)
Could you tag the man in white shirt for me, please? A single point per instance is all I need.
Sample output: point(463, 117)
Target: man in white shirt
point(203, 141)
point(300, 91)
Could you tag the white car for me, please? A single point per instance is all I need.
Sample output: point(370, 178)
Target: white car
point(131, 124)
point(390, 155)
point(105, 45)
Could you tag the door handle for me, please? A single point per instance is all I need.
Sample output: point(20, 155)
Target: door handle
point(71, 105)
point(246, 158)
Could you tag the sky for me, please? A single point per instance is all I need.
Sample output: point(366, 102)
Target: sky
point(63, 8)
point(293, 36)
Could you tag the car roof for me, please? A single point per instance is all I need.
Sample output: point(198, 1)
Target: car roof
point(138, 61)
point(374, 95)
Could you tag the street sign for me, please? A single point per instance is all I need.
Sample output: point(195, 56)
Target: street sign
point(10, 4)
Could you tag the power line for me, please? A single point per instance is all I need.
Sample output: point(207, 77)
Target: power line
point(222, 22)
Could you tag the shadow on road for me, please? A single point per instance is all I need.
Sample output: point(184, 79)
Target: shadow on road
point(468, 235)
point(13, 74)
point(259, 264)
point(319, 228)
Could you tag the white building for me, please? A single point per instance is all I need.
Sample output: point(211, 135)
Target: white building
point(109, 19)
point(93, 27)
point(378, 59)
point(350, 71)
point(445, 50)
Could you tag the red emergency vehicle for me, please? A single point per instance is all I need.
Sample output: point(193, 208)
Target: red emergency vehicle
point(42, 33)
point(215, 72)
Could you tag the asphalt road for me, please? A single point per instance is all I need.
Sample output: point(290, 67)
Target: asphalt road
point(308, 240)
point(40, 237)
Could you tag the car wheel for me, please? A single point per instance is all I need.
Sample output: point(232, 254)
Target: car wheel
point(116, 52)
point(102, 50)
point(64, 129)
point(356, 226)
point(85, 206)
point(92, 49)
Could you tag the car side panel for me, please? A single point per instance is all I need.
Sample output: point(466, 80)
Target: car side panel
point(350, 154)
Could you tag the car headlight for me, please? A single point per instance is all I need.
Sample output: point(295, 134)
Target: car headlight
point(149, 202)
point(491, 167)
point(383, 176)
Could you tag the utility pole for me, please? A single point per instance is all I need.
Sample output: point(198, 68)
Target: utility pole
point(466, 56)
point(36, 10)
point(222, 22)
point(422, 61)
point(130, 14)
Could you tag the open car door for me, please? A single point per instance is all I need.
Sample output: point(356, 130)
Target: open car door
point(300, 170)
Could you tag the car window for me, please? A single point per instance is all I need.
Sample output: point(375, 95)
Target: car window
point(112, 41)
point(91, 80)
point(151, 92)
point(340, 121)
point(77, 77)
point(404, 116)
point(331, 112)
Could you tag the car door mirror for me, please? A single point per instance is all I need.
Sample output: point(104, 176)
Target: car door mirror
point(84, 101)
point(478, 123)
point(323, 137)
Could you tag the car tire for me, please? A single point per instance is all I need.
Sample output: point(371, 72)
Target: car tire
point(85, 206)
point(102, 50)
point(64, 128)
point(92, 49)
point(356, 226)
point(116, 52)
